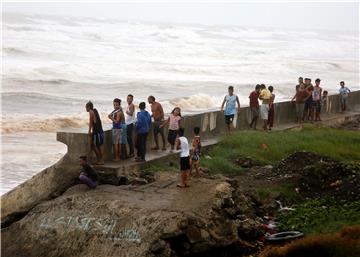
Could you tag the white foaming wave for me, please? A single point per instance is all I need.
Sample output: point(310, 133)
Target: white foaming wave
point(32, 123)
point(44, 123)
point(196, 102)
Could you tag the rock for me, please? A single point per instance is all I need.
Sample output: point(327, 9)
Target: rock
point(269, 167)
point(158, 246)
point(193, 234)
point(138, 181)
point(108, 178)
point(246, 162)
point(155, 218)
point(250, 230)
point(204, 170)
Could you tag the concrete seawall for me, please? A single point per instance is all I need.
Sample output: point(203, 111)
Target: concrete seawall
point(57, 178)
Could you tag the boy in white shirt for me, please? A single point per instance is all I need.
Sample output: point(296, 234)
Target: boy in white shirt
point(183, 145)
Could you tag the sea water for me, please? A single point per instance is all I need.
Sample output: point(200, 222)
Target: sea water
point(53, 65)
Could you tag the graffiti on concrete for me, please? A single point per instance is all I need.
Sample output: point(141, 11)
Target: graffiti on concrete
point(104, 226)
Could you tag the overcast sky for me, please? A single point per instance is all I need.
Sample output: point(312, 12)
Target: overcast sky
point(299, 15)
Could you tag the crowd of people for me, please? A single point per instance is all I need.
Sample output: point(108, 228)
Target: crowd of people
point(130, 129)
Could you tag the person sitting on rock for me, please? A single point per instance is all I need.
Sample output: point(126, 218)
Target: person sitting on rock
point(88, 175)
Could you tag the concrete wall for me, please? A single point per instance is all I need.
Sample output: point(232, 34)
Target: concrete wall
point(57, 178)
point(213, 123)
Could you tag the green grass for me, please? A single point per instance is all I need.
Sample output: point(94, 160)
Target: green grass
point(285, 190)
point(341, 145)
point(159, 167)
point(321, 216)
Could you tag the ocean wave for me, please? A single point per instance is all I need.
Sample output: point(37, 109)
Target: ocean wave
point(36, 81)
point(37, 97)
point(32, 123)
point(196, 102)
point(14, 50)
point(23, 28)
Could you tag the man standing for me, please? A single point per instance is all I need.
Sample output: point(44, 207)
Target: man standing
point(316, 96)
point(254, 106)
point(301, 83)
point(308, 108)
point(230, 108)
point(118, 120)
point(142, 129)
point(344, 94)
point(158, 115)
point(130, 120)
point(265, 96)
point(299, 98)
point(95, 132)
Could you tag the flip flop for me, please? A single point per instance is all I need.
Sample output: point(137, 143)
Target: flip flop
point(181, 186)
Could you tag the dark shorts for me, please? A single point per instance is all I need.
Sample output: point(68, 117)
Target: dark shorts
point(229, 118)
point(254, 112)
point(98, 138)
point(157, 128)
point(317, 106)
point(309, 104)
point(185, 163)
point(172, 134)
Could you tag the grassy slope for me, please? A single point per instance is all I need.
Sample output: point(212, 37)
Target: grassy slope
point(312, 215)
point(341, 145)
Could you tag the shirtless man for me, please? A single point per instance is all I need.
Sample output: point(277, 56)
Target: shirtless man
point(158, 115)
point(95, 132)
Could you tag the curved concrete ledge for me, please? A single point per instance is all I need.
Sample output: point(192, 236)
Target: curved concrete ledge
point(60, 176)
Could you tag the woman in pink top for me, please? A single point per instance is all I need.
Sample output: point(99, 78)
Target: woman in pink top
point(174, 125)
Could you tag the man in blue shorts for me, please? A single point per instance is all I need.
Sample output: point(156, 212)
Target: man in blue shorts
point(95, 132)
point(230, 108)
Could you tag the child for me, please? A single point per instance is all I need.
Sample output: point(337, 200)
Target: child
point(271, 108)
point(195, 152)
point(324, 101)
point(117, 118)
point(344, 94)
point(96, 132)
point(316, 95)
point(183, 145)
point(88, 175)
point(230, 109)
point(174, 125)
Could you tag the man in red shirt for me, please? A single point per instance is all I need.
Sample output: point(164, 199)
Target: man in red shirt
point(254, 106)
